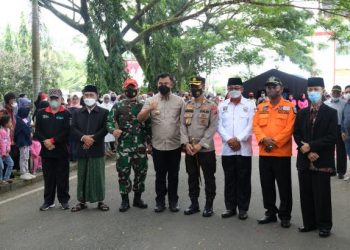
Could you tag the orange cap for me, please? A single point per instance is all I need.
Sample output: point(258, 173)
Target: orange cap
point(129, 82)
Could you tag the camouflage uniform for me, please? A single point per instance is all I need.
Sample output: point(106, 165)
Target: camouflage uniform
point(131, 148)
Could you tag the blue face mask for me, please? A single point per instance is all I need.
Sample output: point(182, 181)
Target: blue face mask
point(314, 96)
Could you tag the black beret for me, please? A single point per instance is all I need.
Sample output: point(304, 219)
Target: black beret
point(90, 88)
point(234, 81)
point(315, 82)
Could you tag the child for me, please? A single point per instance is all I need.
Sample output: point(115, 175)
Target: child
point(23, 141)
point(5, 148)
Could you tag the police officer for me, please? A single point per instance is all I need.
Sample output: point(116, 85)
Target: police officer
point(198, 127)
point(133, 137)
point(273, 126)
point(235, 127)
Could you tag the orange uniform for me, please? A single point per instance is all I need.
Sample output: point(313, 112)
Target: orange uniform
point(276, 122)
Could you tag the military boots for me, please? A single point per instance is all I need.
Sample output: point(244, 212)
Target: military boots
point(138, 202)
point(124, 206)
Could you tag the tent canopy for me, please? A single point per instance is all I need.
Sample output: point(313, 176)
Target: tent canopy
point(292, 84)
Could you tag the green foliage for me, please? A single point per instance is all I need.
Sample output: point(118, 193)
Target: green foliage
point(57, 69)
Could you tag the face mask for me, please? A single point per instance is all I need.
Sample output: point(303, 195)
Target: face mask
point(113, 98)
point(54, 104)
point(335, 99)
point(131, 92)
point(347, 96)
point(89, 102)
point(262, 95)
point(196, 92)
point(314, 96)
point(235, 94)
point(14, 105)
point(164, 90)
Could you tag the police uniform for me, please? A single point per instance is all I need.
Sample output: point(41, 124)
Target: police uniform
point(198, 126)
point(131, 149)
point(236, 121)
point(275, 165)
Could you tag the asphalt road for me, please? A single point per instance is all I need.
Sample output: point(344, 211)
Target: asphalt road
point(23, 226)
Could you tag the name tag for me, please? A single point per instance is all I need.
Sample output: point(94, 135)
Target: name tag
point(286, 108)
point(59, 117)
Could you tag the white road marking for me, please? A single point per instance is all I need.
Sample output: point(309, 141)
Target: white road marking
point(37, 190)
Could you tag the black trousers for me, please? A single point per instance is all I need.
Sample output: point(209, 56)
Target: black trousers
point(341, 154)
point(206, 161)
point(167, 165)
point(14, 153)
point(276, 169)
point(238, 171)
point(315, 199)
point(56, 176)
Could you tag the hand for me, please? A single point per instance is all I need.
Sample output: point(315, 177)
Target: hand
point(189, 149)
point(88, 140)
point(117, 133)
point(51, 147)
point(149, 149)
point(305, 148)
point(86, 146)
point(269, 144)
point(344, 136)
point(196, 148)
point(153, 105)
point(313, 156)
point(234, 144)
point(48, 144)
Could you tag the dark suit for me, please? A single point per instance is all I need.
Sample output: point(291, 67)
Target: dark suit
point(315, 190)
point(94, 123)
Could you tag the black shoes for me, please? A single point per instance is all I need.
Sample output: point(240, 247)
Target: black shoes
point(174, 207)
point(65, 206)
point(242, 215)
point(208, 209)
point(324, 233)
point(45, 206)
point(124, 206)
point(228, 213)
point(160, 207)
point(193, 208)
point(340, 176)
point(138, 202)
point(267, 219)
point(306, 229)
point(285, 223)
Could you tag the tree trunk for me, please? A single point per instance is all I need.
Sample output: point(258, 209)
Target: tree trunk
point(35, 48)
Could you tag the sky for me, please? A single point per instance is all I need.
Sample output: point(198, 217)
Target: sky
point(66, 38)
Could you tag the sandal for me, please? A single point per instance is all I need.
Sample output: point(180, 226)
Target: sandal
point(102, 206)
point(78, 207)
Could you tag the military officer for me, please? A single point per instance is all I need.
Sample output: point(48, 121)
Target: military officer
point(133, 137)
point(198, 126)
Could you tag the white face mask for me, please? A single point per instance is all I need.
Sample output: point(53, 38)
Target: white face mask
point(89, 102)
point(347, 96)
point(235, 94)
point(14, 105)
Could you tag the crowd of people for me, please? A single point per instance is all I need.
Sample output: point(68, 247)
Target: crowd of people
point(90, 127)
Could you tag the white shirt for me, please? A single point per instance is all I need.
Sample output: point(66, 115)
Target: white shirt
point(236, 121)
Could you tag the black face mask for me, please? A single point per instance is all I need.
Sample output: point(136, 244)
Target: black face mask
point(164, 90)
point(196, 92)
point(113, 98)
point(130, 92)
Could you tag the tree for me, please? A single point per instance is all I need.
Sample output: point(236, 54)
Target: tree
point(57, 70)
point(35, 47)
point(157, 26)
